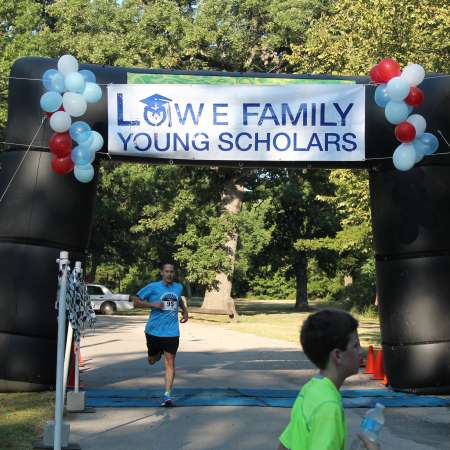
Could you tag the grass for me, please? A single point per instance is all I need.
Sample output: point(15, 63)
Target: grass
point(277, 319)
point(22, 417)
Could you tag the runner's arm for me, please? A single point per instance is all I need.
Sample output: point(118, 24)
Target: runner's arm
point(138, 303)
point(184, 309)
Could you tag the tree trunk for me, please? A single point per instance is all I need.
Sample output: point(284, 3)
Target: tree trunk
point(348, 280)
point(219, 297)
point(301, 278)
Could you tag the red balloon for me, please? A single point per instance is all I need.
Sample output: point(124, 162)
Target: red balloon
point(375, 74)
point(60, 144)
point(62, 165)
point(388, 68)
point(415, 96)
point(405, 132)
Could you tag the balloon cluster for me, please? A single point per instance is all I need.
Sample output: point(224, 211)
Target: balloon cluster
point(68, 93)
point(398, 93)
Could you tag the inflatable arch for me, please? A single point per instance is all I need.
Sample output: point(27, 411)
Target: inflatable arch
point(40, 215)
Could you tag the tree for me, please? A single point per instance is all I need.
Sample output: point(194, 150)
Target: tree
point(296, 212)
point(349, 38)
point(20, 24)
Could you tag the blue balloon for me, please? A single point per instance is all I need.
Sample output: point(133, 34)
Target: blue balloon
point(74, 82)
point(97, 141)
point(404, 157)
point(80, 132)
point(82, 156)
point(53, 80)
point(398, 89)
point(429, 143)
point(396, 112)
point(88, 76)
point(92, 92)
point(51, 101)
point(84, 173)
point(419, 154)
point(381, 96)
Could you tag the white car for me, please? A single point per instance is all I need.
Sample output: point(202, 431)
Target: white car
point(103, 300)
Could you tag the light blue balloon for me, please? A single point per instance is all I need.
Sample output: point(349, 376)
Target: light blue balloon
point(51, 101)
point(396, 112)
point(404, 157)
point(429, 143)
point(84, 173)
point(381, 96)
point(80, 132)
point(92, 92)
point(97, 141)
point(398, 89)
point(74, 82)
point(419, 154)
point(53, 80)
point(88, 76)
point(81, 156)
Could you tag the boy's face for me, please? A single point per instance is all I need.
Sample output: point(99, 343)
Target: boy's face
point(351, 357)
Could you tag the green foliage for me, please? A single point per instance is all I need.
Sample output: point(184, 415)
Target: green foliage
point(271, 284)
point(353, 35)
point(20, 23)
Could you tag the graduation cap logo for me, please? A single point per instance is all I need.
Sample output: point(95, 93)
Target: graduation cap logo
point(157, 110)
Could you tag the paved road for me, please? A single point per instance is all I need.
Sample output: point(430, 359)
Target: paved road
point(211, 356)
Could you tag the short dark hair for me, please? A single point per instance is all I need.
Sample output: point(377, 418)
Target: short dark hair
point(324, 331)
point(167, 263)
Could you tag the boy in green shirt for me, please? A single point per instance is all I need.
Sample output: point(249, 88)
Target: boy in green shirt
point(330, 340)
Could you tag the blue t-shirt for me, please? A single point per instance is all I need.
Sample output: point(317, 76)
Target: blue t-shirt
point(162, 322)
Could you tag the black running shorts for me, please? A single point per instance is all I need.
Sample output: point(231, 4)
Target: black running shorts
point(158, 344)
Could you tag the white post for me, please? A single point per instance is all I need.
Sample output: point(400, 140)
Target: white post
point(63, 262)
point(77, 370)
point(67, 355)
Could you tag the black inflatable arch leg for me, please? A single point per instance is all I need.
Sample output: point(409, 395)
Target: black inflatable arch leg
point(41, 214)
point(411, 226)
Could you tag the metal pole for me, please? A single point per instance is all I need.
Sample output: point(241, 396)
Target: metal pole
point(78, 271)
point(63, 262)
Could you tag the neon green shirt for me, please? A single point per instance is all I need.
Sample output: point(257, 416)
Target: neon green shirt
point(317, 418)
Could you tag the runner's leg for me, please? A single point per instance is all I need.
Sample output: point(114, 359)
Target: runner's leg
point(169, 360)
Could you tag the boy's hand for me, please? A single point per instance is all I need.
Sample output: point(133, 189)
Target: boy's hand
point(185, 317)
point(369, 445)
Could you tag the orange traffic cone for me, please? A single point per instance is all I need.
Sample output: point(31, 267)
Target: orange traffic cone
point(370, 361)
point(379, 367)
point(80, 360)
point(385, 381)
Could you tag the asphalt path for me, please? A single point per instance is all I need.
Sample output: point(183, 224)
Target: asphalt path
point(212, 356)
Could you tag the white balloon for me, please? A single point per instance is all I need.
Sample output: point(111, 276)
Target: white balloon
point(413, 74)
point(60, 121)
point(418, 122)
point(74, 104)
point(404, 157)
point(67, 64)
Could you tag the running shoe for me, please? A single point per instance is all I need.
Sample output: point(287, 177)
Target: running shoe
point(167, 401)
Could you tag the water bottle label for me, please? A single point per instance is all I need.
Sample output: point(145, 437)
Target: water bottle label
point(369, 424)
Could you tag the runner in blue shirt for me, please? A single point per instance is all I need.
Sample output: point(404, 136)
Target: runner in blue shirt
point(162, 331)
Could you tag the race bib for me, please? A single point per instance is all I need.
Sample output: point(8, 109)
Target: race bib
point(170, 302)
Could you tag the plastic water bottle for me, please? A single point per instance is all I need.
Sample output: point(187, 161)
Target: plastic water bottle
point(370, 427)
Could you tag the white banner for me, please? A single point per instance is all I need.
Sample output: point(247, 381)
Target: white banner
point(310, 122)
